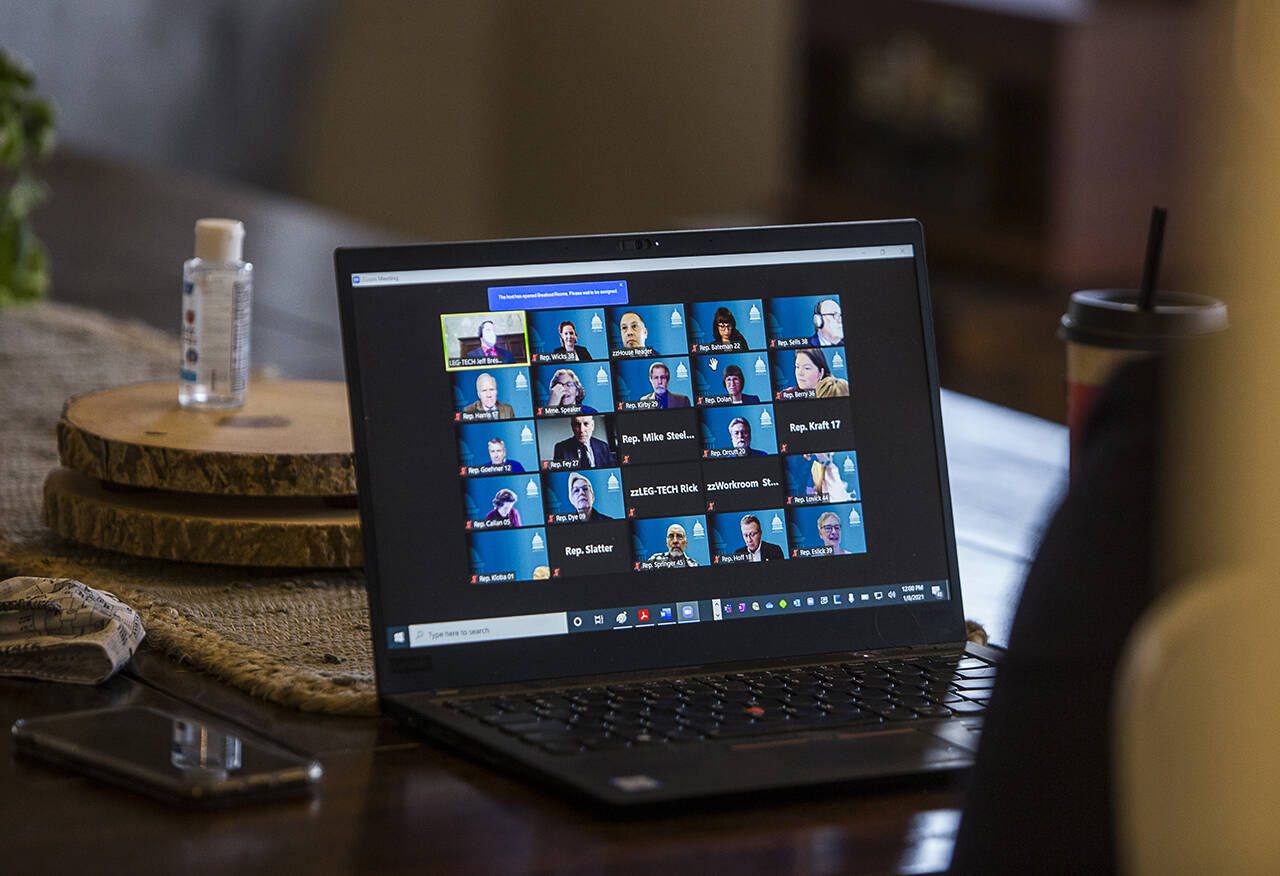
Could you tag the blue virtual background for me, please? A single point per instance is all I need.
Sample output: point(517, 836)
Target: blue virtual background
point(478, 495)
point(589, 323)
point(726, 530)
point(708, 374)
point(508, 550)
point(800, 472)
point(522, 446)
point(804, 526)
point(594, 377)
point(605, 482)
point(632, 377)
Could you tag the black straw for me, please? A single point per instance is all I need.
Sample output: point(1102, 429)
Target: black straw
point(1155, 246)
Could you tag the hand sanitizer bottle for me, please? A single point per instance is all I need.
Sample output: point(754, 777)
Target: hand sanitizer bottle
point(217, 288)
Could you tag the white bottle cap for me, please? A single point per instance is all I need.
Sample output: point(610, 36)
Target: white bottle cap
point(219, 240)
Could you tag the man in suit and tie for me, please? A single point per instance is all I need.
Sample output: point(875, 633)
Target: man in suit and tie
point(590, 452)
point(486, 403)
point(740, 435)
point(659, 378)
point(755, 549)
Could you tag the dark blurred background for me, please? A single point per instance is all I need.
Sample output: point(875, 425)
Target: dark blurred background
point(1032, 137)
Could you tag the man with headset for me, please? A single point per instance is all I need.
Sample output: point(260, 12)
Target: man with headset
point(828, 324)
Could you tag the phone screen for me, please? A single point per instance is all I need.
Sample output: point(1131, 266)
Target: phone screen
point(167, 754)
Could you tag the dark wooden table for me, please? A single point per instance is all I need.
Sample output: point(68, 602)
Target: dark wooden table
point(117, 237)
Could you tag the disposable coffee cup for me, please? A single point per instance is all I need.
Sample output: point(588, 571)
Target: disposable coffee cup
point(1104, 328)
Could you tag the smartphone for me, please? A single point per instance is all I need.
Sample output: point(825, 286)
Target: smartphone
point(175, 758)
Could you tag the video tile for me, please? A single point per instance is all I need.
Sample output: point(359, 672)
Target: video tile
point(577, 335)
point(826, 530)
point(738, 431)
point(576, 442)
point(502, 501)
point(749, 536)
point(822, 477)
point(485, 339)
point(492, 394)
point(507, 555)
point(731, 379)
point(667, 490)
point(727, 326)
point(676, 542)
point(658, 436)
point(584, 496)
point(498, 447)
point(661, 383)
point(810, 372)
point(573, 388)
point(742, 483)
point(804, 321)
point(806, 426)
point(648, 330)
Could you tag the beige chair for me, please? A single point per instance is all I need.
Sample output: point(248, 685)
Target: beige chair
point(1197, 731)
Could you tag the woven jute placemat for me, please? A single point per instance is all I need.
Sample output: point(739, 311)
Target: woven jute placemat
point(298, 639)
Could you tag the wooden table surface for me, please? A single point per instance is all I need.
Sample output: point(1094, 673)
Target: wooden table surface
point(390, 802)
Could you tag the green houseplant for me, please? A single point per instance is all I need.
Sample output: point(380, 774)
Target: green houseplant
point(26, 135)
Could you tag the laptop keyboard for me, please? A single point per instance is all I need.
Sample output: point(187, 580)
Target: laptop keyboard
point(740, 705)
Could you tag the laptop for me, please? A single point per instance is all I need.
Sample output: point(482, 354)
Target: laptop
point(656, 517)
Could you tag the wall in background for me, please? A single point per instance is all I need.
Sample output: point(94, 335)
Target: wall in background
point(500, 118)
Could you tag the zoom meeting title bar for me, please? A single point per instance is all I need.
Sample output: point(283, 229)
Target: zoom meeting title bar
point(619, 266)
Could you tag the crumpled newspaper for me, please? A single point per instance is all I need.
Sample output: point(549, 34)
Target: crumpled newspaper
point(58, 629)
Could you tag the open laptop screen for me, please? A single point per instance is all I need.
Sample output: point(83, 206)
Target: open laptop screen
point(609, 458)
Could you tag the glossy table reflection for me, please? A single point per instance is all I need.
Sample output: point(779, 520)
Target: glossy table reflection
point(389, 802)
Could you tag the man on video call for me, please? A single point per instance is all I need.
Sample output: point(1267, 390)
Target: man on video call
point(828, 323)
point(753, 546)
point(487, 400)
point(489, 347)
point(740, 435)
point(677, 543)
point(659, 378)
point(569, 342)
point(590, 452)
point(583, 498)
point(635, 334)
point(498, 456)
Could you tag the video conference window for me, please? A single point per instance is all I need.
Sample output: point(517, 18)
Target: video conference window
point(492, 394)
point(756, 536)
point(503, 502)
point(822, 477)
point(671, 543)
point(577, 442)
point(585, 496)
point(568, 335)
point(508, 555)
point(805, 321)
point(647, 330)
point(810, 372)
point(827, 530)
point(727, 326)
point(653, 384)
point(745, 430)
point(474, 340)
point(732, 379)
point(500, 447)
point(578, 388)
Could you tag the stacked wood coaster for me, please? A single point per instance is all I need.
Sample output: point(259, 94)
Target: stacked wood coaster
point(268, 484)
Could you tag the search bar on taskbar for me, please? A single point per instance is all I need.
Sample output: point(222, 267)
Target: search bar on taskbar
point(489, 629)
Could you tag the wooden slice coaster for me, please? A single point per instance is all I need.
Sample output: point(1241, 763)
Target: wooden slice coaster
point(292, 438)
point(226, 530)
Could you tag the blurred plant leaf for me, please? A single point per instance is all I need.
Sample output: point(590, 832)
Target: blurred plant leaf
point(26, 134)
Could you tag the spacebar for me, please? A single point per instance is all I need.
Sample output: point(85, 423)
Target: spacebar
point(770, 728)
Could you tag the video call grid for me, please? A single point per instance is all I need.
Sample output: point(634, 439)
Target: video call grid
point(565, 398)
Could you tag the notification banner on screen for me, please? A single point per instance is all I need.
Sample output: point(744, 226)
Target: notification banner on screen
point(545, 296)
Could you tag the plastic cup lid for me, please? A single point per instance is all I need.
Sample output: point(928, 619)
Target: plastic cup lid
point(1112, 318)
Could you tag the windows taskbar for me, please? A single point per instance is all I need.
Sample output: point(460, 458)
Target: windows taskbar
point(661, 614)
